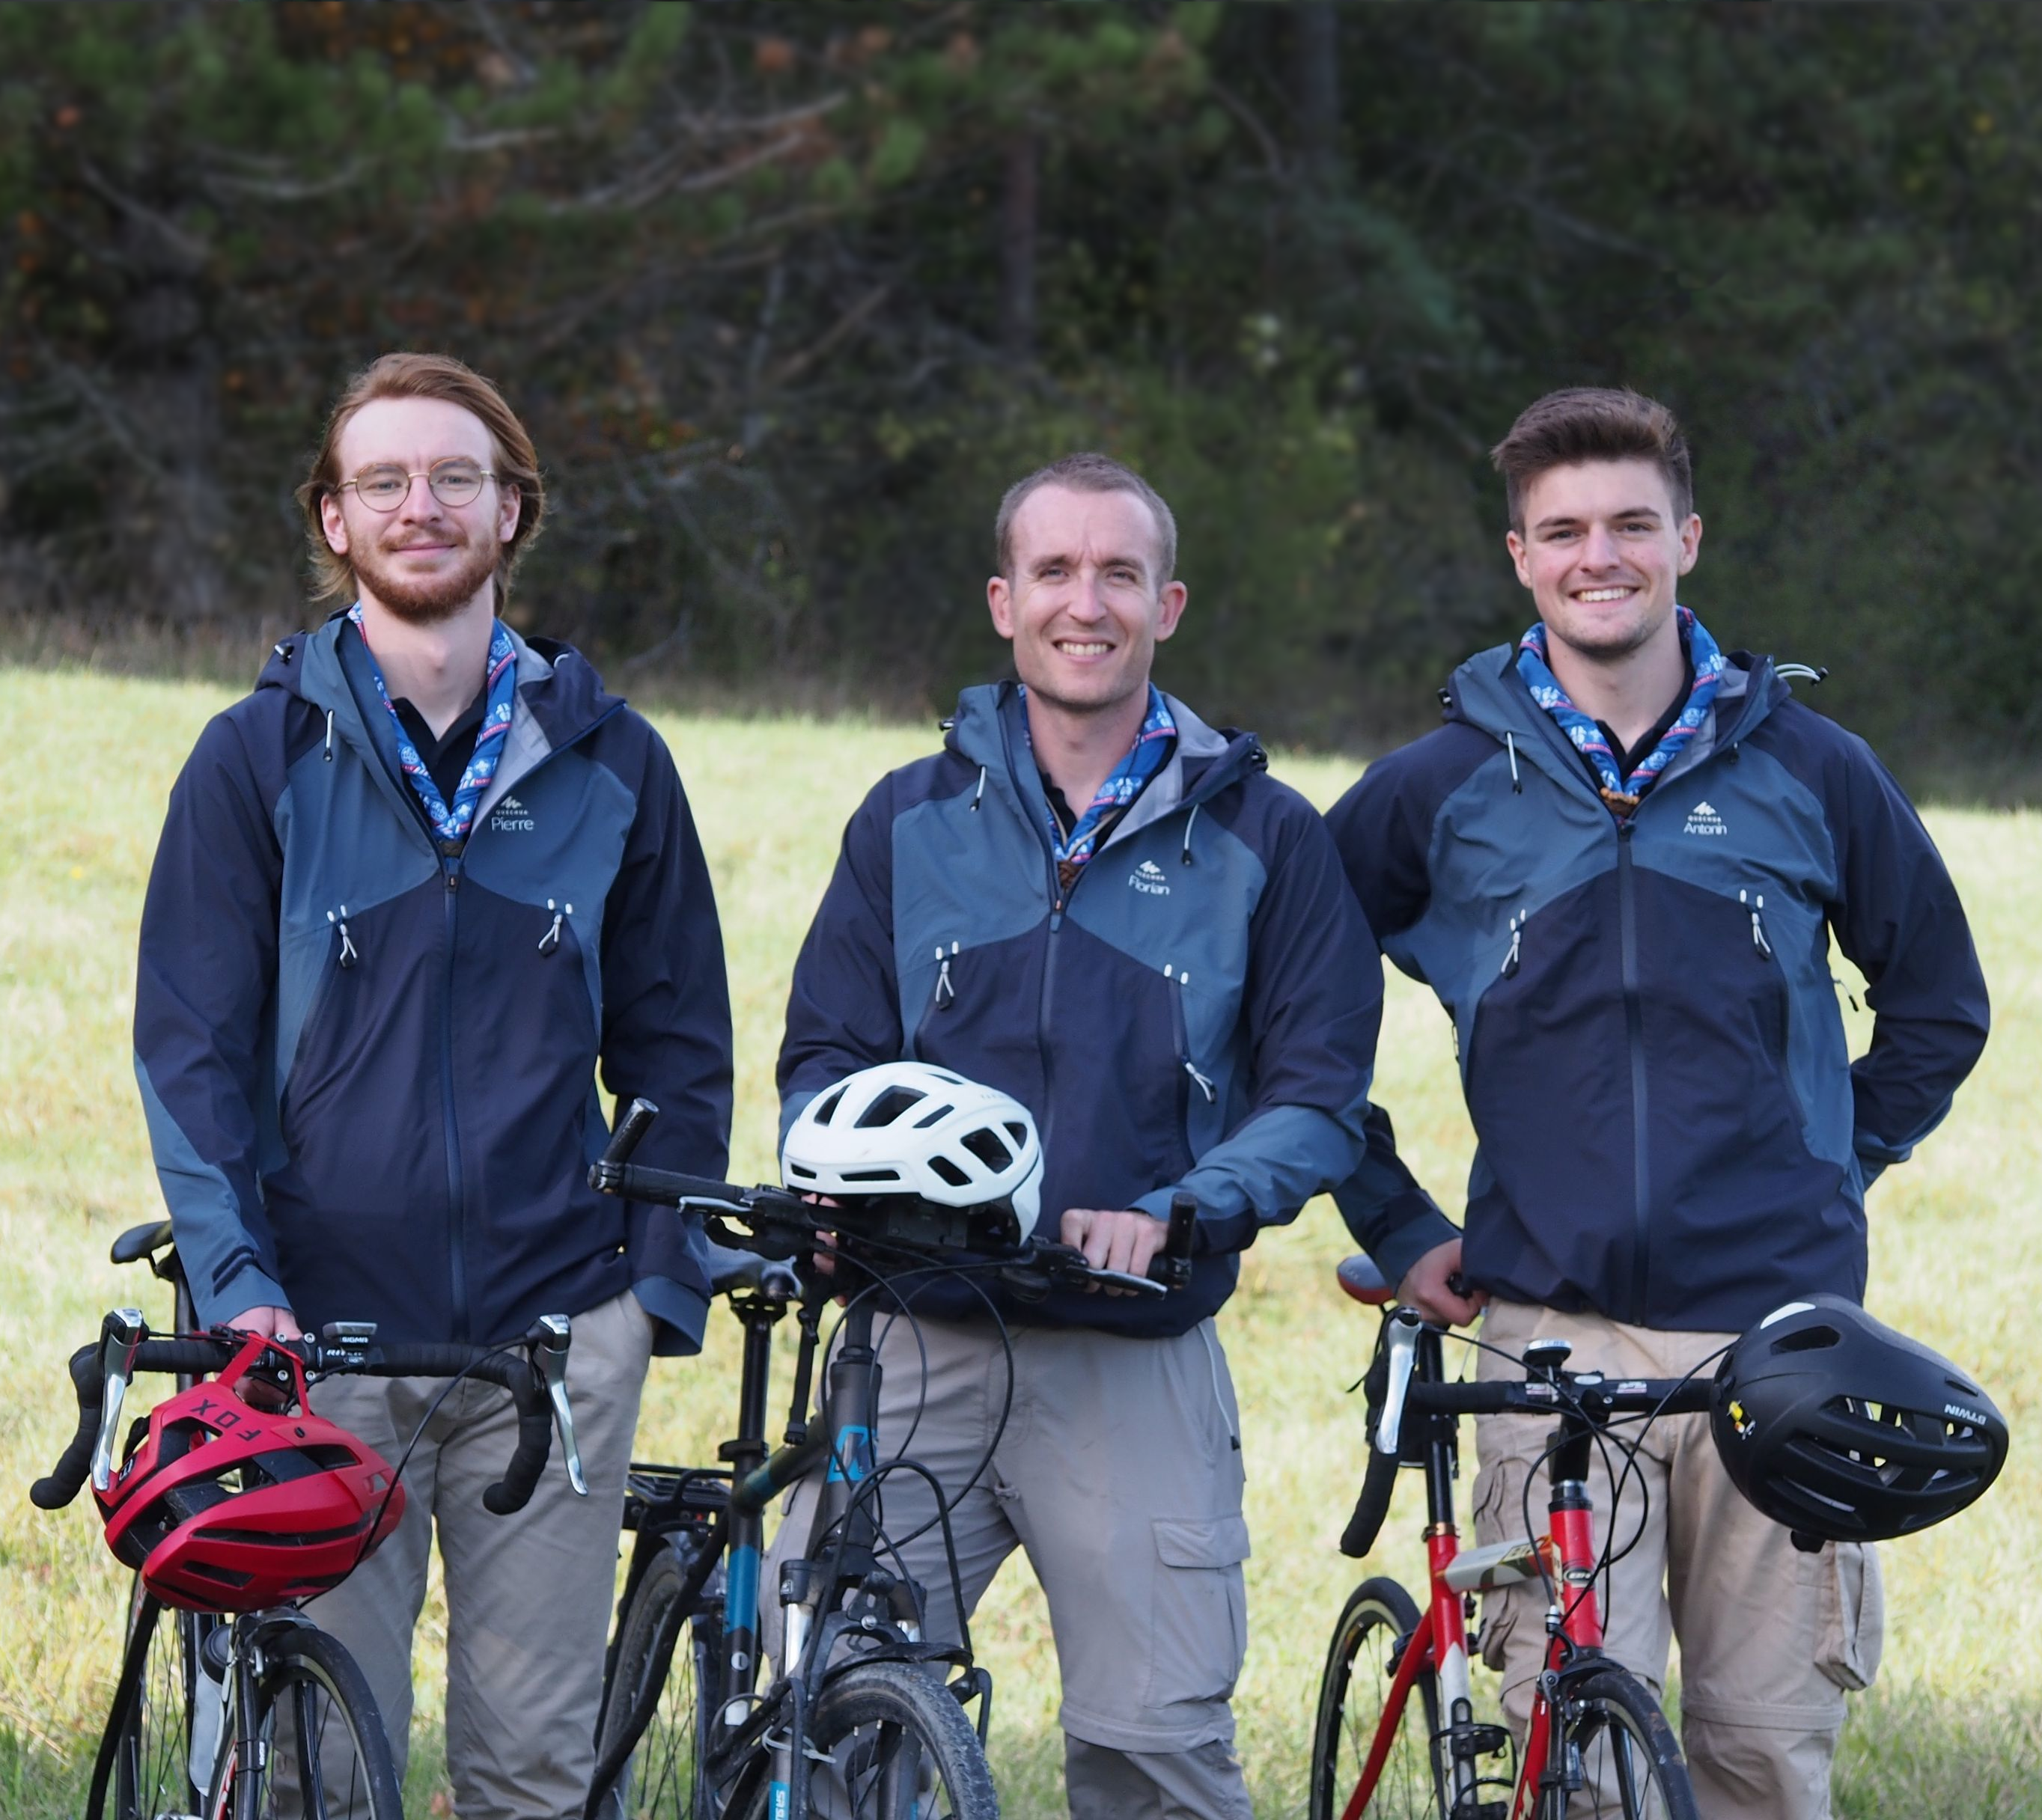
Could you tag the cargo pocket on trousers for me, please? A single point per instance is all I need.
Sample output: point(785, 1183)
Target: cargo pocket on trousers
point(1198, 1629)
point(1494, 1523)
point(1854, 1608)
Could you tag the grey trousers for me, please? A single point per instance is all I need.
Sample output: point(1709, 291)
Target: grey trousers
point(1770, 1637)
point(529, 1596)
point(1119, 1472)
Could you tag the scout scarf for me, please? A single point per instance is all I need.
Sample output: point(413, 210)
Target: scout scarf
point(450, 826)
point(1145, 759)
point(1623, 795)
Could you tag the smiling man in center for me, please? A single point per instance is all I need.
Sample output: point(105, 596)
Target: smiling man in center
point(1095, 902)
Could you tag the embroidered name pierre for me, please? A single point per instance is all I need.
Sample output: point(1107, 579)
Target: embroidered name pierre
point(1149, 876)
point(511, 816)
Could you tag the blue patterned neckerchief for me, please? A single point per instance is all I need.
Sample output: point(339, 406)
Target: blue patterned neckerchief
point(1623, 795)
point(1144, 760)
point(450, 825)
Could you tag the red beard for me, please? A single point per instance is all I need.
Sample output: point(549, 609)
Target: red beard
point(427, 600)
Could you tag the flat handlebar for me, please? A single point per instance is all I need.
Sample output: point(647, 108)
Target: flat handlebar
point(349, 1352)
point(777, 1224)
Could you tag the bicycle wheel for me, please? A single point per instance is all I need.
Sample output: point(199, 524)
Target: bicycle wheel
point(329, 1758)
point(675, 1652)
point(899, 1748)
point(1353, 1694)
point(152, 1752)
point(1630, 1764)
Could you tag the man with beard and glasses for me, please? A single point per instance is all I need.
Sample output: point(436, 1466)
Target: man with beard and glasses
point(410, 894)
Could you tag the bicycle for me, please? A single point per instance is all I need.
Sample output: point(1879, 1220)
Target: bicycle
point(1597, 1742)
point(854, 1687)
point(209, 1703)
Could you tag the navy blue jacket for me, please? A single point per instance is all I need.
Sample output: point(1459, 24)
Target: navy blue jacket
point(1672, 1131)
point(395, 1124)
point(1199, 1012)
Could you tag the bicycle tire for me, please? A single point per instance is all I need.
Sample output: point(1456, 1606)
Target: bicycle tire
point(662, 1780)
point(901, 1746)
point(151, 1767)
point(329, 1757)
point(1631, 1761)
point(1353, 1693)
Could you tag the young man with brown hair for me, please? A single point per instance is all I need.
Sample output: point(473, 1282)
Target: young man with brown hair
point(410, 894)
point(1620, 864)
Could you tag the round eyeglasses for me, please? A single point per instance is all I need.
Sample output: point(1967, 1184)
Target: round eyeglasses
point(384, 487)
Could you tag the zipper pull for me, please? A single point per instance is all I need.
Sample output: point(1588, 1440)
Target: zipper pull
point(1204, 1084)
point(946, 992)
point(1758, 940)
point(1510, 961)
point(551, 940)
point(348, 954)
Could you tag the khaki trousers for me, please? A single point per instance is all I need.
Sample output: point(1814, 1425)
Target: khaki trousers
point(1770, 1637)
point(528, 1596)
point(1119, 1472)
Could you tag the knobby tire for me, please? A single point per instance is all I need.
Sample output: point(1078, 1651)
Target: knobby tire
point(900, 1743)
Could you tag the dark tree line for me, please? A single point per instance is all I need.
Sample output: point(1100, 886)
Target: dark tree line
point(788, 292)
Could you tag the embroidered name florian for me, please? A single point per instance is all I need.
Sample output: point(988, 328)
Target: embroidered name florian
point(511, 816)
point(1149, 876)
point(1703, 819)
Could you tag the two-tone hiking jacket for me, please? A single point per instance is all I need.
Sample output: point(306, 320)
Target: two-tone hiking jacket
point(1671, 1130)
point(369, 1065)
point(1198, 1011)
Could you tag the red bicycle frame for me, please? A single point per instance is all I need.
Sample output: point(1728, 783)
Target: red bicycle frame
point(1565, 1559)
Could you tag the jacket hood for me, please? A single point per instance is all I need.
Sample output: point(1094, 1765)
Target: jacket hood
point(1486, 692)
point(560, 695)
point(987, 727)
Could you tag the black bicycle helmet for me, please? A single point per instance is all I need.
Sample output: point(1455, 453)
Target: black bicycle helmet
point(1844, 1430)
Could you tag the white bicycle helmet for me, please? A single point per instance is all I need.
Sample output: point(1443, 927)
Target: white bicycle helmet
point(905, 1128)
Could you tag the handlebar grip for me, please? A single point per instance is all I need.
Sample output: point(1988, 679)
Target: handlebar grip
point(1474, 1398)
point(513, 1371)
point(1173, 1267)
point(67, 1476)
point(1371, 1506)
point(637, 1119)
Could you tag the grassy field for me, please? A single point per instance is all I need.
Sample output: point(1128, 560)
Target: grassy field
point(1953, 1729)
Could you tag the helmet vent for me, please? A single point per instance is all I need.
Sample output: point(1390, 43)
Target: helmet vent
point(949, 1172)
point(936, 1118)
point(827, 1110)
point(985, 1145)
point(888, 1107)
point(1807, 1339)
point(872, 1174)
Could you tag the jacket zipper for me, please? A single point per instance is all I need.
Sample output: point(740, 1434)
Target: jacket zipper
point(456, 1191)
point(1180, 1028)
point(456, 1186)
point(1633, 1024)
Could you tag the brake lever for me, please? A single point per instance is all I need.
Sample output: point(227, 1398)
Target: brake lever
point(553, 1333)
point(123, 1330)
point(1404, 1325)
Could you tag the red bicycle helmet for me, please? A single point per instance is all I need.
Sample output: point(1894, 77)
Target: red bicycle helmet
point(222, 1507)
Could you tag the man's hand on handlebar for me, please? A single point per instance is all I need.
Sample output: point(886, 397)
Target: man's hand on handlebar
point(1122, 1240)
point(272, 1323)
point(1428, 1287)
